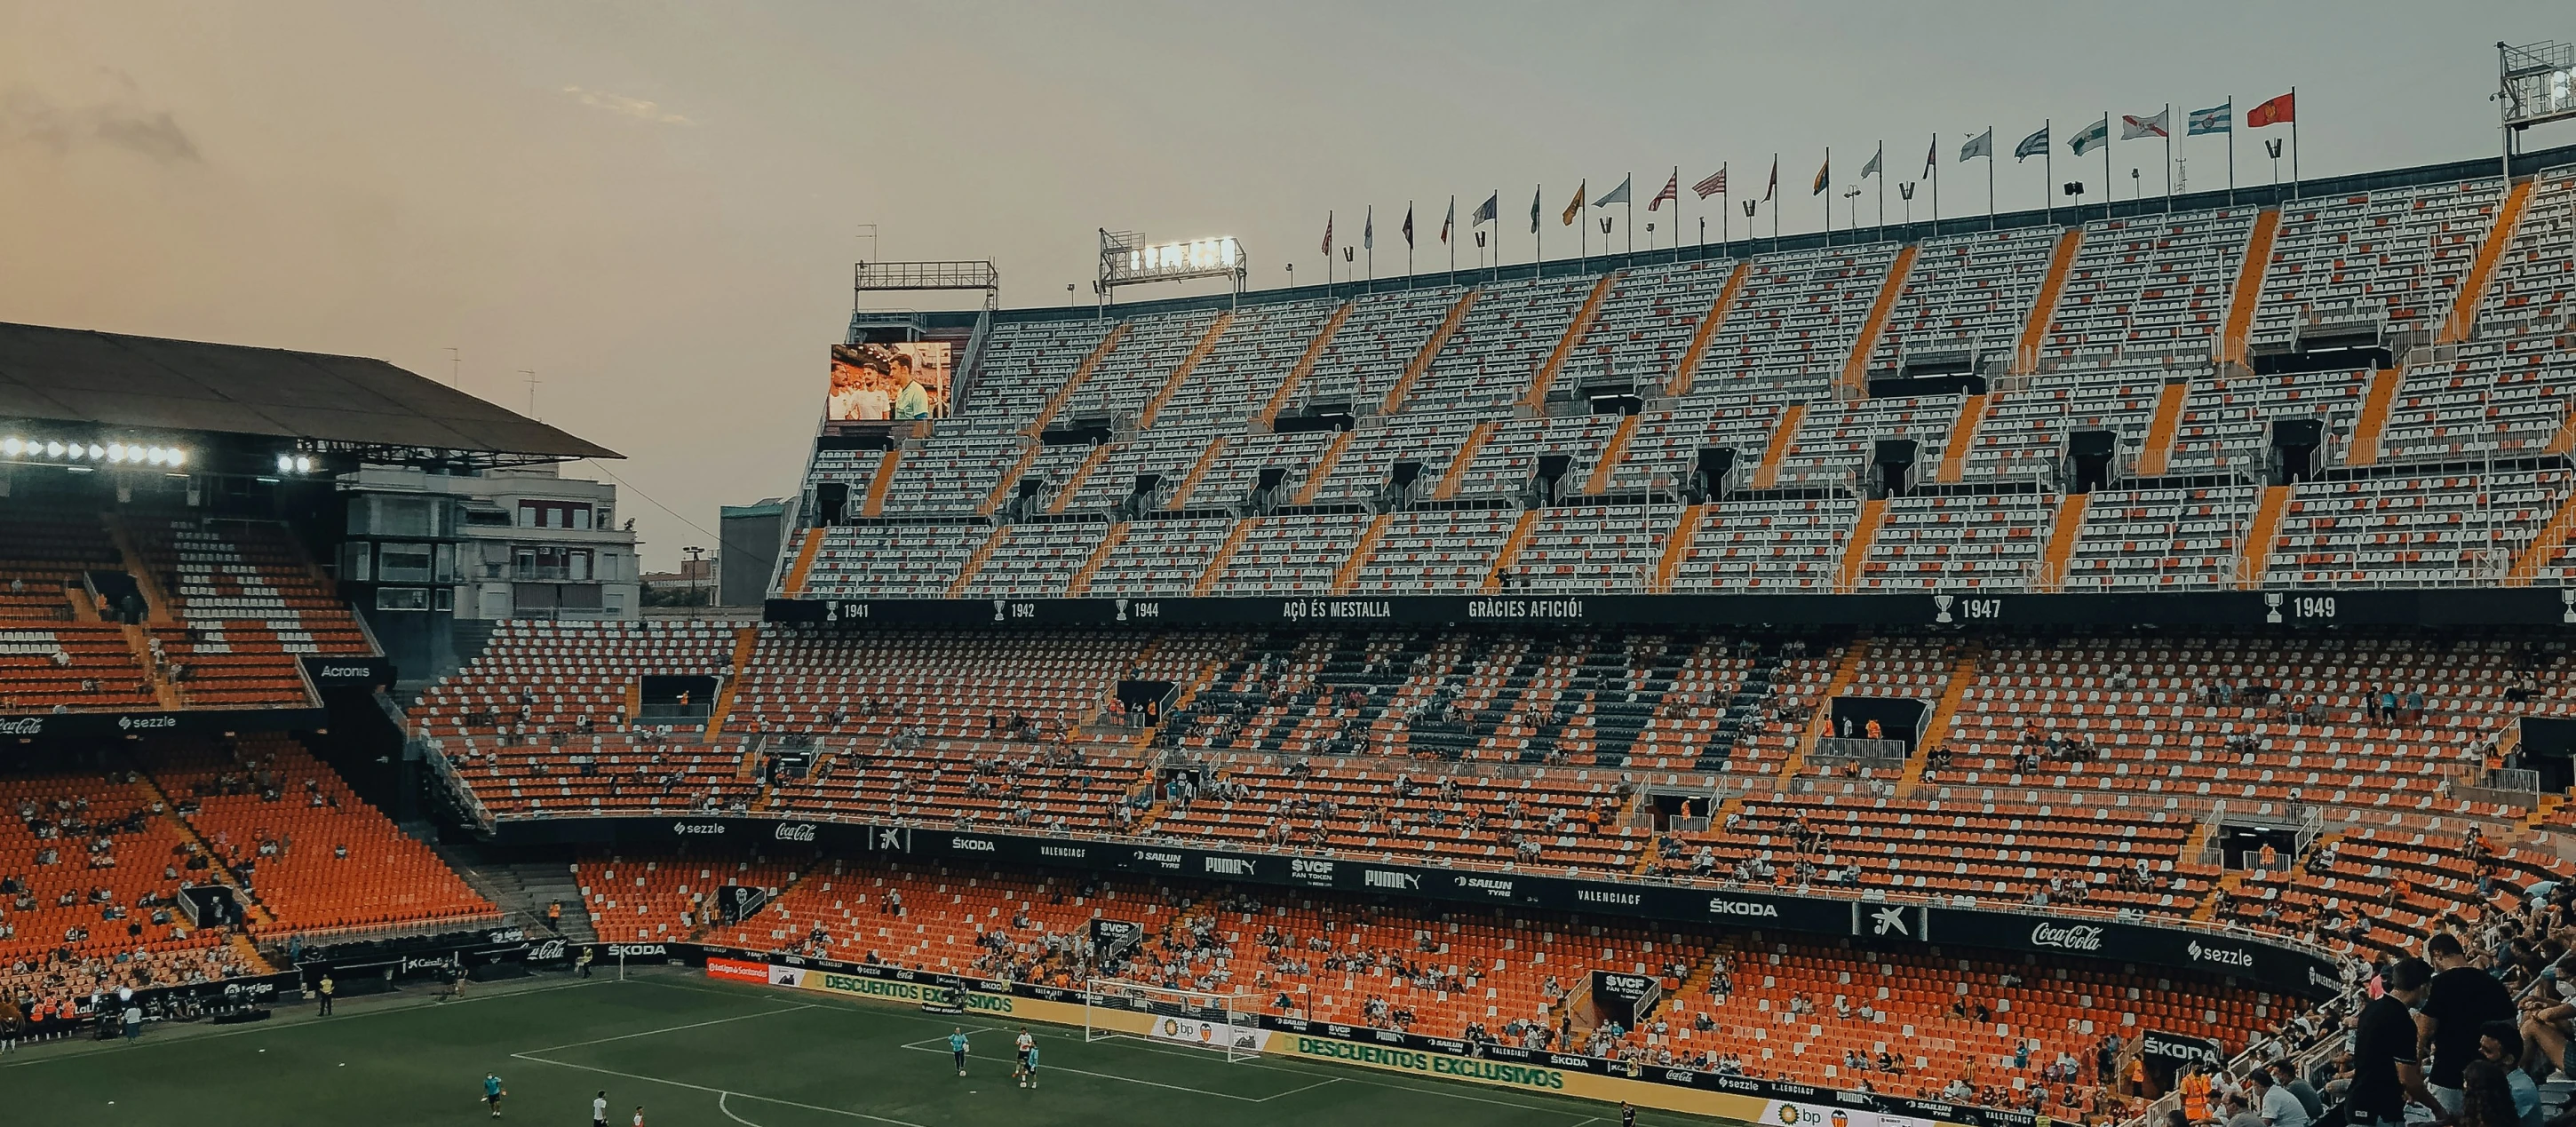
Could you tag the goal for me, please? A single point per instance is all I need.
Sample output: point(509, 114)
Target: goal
point(1218, 1023)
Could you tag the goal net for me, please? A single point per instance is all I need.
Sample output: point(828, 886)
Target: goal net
point(1226, 1023)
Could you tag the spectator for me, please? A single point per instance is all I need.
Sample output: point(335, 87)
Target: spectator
point(2486, 1099)
point(2275, 1103)
point(2499, 1045)
point(2387, 1073)
point(2462, 1000)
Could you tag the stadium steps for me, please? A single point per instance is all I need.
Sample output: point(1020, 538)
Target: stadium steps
point(2563, 442)
point(1064, 394)
point(975, 562)
point(2363, 450)
point(1081, 581)
point(2157, 452)
point(552, 882)
point(1198, 472)
point(1073, 483)
point(2063, 534)
point(1845, 672)
point(140, 645)
point(1855, 378)
point(1575, 330)
point(1777, 449)
point(2255, 554)
point(882, 481)
point(1224, 555)
point(2043, 309)
point(634, 700)
point(1512, 548)
point(1709, 323)
point(1856, 550)
point(1421, 363)
point(1349, 572)
point(255, 913)
point(2542, 548)
point(1963, 433)
point(1963, 674)
point(1457, 472)
point(2473, 289)
point(1010, 480)
point(745, 640)
point(1324, 466)
point(803, 568)
point(2548, 805)
point(2248, 292)
point(1677, 546)
point(1598, 481)
point(1181, 372)
point(1269, 413)
point(162, 611)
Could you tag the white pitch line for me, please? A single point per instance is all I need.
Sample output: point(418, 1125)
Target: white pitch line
point(721, 1097)
point(675, 1028)
point(1294, 1091)
point(1127, 1079)
point(720, 1093)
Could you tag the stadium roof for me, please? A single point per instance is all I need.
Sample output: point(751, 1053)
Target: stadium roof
point(109, 379)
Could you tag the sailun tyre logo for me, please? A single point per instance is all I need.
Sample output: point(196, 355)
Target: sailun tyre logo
point(2067, 937)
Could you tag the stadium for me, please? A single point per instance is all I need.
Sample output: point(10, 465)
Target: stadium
point(2090, 663)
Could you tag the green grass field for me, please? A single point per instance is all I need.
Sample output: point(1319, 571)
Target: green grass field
point(695, 1051)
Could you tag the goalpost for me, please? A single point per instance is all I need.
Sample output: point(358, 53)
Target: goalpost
point(1218, 1023)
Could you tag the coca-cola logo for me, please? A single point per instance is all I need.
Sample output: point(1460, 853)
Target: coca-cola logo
point(25, 726)
point(2067, 937)
point(802, 831)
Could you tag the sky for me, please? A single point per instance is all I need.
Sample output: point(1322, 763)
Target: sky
point(654, 207)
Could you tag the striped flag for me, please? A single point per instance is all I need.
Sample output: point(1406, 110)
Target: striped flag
point(1672, 191)
point(2094, 135)
point(2220, 118)
point(1492, 210)
point(1328, 234)
point(1715, 183)
point(2034, 145)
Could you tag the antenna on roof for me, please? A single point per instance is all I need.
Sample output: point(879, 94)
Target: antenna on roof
point(531, 373)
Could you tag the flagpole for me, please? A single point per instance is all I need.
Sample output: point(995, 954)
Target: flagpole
point(2107, 194)
point(1498, 234)
point(1990, 178)
point(1828, 194)
point(1936, 185)
point(1328, 252)
point(1677, 213)
point(1449, 235)
point(1538, 235)
point(2294, 145)
point(2169, 158)
point(1631, 184)
point(1773, 190)
point(1368, 243)
point(1725, 205)
point(2048, 168)
point(1881, 161)
point(2231, 150)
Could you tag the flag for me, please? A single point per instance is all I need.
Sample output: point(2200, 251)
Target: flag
point(1672, 191)
point(1451, 222)
point(1491, 211)
point(2133, 127)
point(1824, 175)
point(2274, 112)
point(2031, 146)
point(1981, 145)
point(2093, 136)
point(1368, 229)
point(1534, 193)
point(1615, 195)
point(1408, 224)
point(1328, 234)
point(1932, 156)
point(1774, 185)
point(2219, 118)
point(1574, 207)
point(1715, 183)
point(1871, 169)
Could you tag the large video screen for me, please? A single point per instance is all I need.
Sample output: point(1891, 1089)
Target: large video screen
point(888, 382)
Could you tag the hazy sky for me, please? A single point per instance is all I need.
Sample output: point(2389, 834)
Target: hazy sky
point(654, 206)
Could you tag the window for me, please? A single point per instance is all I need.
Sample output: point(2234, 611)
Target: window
point(554, 514)
point(403, 563)
point(402, 598)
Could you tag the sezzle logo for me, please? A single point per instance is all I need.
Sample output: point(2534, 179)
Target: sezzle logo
point(970, 844)
point(1723, 907)
point(29, 726)
point(2223, 956)
point(697, 829)
point(801, 831)
point(145, 723)
point(2067, 937)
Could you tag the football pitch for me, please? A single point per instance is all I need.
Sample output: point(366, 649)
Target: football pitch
point(695, 1051)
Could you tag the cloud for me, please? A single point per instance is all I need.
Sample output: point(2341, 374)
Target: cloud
point(636, 108)
point(29, 118)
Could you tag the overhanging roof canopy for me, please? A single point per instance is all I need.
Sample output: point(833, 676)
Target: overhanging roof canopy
point(108, 379)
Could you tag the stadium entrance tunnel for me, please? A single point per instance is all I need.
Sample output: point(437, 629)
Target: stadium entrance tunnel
point(2091, 453)
point(2241, 846)
point(2294, 449)
point(1891, 467)
point(1934, 375)
point(676, 697)
point(1709, 479)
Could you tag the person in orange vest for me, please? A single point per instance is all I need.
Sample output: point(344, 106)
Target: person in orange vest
point(1874, 730)
point(2195, 1095)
